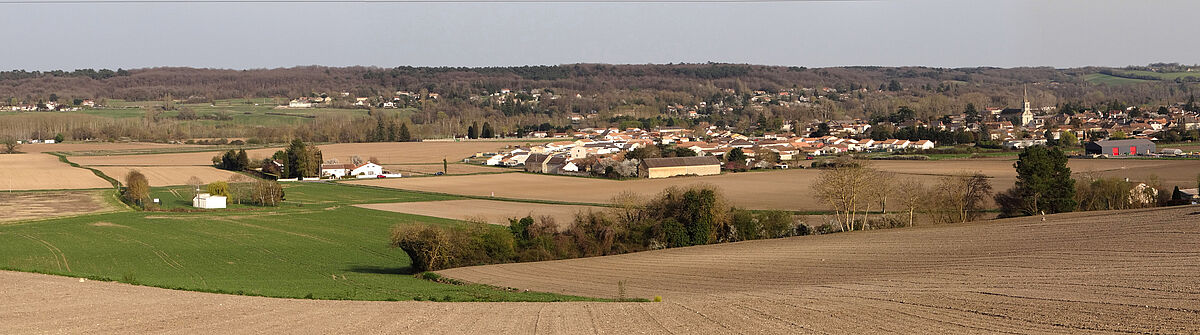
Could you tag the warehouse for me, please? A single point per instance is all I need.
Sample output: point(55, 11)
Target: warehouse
point(1117, 148)
point(680, 166)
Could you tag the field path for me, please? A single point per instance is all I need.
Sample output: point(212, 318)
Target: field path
point(1083, 273)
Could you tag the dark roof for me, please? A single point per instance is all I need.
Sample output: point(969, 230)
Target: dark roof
point(681, 161)
point(1119, 143)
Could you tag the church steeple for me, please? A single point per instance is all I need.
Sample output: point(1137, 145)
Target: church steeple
point(1026, 112)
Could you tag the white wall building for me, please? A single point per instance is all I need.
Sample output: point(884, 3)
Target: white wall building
point(208, 201)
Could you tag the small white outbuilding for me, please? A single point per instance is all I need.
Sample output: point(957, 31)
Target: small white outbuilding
point(208, 201)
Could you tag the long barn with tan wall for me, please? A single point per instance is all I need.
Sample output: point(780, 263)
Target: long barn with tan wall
point(680, 166)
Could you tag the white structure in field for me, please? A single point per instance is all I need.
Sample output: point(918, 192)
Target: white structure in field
point(208, 201)
point(343, 170)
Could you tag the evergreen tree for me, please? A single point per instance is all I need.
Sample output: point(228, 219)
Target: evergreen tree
point(297, 160)
point(487, 131)
point(1043, 184)
point(380, 132)
point(473, 130)
point(404, 135)
point(736, 155)
point(242, 161)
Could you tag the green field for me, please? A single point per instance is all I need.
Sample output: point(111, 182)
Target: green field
point(315, 245)
point(1100, 78)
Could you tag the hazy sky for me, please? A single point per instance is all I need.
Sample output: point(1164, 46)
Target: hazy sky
point(814, 34)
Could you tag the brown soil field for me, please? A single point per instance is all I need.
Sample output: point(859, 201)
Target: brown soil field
point(169, 175)
point(36, 171)
point(41, 205)
point(1080, 273)
point(95, 146)
point(788, 189)
point(388, 153)
point(494, 212)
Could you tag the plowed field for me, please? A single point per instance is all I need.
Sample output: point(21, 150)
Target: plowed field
point(1100, 272)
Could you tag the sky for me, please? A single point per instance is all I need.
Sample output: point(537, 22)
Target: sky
point(965, 33)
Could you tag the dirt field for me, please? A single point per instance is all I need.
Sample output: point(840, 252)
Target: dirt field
point(768, 190)
point(388, 153)
point(1100, 272)
point(495, 212)
point(169, 175)
point(454, 169)
point(66, 147)
point(35, 171)
point(40, 205)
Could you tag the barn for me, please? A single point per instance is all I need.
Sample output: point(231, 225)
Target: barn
point(680, 166)
point(1114, 148)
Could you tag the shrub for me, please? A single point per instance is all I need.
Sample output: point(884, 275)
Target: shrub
point(776, 224)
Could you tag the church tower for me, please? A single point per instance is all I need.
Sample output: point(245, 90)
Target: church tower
point(1026, 112)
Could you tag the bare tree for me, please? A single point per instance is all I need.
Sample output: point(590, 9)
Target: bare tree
point(356, 160)
point(847, 189)
point(194, 183)
point(913, 196)
point(960, 197)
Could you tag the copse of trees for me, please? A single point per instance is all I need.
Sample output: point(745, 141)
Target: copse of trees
point(299, 160)
point(1044, 184)
point(233, 160)
point(678, 217)
point(137, 189)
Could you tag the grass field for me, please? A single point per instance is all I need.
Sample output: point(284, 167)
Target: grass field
point(313, 246)
point(1100, 78)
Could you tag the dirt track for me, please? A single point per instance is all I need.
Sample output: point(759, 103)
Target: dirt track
point(1079, 273)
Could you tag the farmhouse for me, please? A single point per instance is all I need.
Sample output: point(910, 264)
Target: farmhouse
point(1120, 147)
point(679, 166)
point(208, 201)
point(343, 170)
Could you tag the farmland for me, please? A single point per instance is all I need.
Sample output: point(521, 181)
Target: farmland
point(37, 171)
point(1103, 272)
point(41, 205)
point(313, 246)
point(388, 153)
point(494, 212)
point(169, 175)
point(770, 189)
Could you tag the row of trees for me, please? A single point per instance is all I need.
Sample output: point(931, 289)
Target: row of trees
point(233, 160)
point(677, 217)
point(855, 191)
point(239, 189)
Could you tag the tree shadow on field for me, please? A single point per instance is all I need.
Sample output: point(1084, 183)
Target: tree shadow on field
point(383, 270)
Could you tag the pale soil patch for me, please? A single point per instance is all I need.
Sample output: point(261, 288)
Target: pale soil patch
point(387, 152)
point(169, 175)
point(495, 212)
point(35, 171)
point(1111, 272)
point(789, 189)
point(107, 224)
point(42, 205)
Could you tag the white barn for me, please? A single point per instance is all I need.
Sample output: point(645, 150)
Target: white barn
point(208, 201)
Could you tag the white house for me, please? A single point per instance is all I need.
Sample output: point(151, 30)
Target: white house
point(208, 201)
point(922, 145)
point(343, 170)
